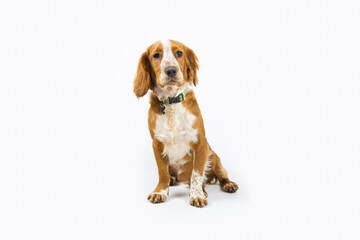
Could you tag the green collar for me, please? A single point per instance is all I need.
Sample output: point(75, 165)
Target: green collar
point(171, 100)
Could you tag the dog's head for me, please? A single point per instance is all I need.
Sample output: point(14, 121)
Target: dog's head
point(165, 66)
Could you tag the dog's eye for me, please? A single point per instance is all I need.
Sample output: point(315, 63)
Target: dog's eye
point(156, 55)
point(179, 54)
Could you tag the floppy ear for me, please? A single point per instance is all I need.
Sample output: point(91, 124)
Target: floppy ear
point(192, 65)
point(142, 81)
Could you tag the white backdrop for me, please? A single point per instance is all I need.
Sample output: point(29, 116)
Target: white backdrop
point(279, 90)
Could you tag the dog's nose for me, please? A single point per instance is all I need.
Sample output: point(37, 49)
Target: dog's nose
point(171, 71)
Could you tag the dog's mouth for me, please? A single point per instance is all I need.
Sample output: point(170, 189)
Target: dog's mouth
point(172, 81)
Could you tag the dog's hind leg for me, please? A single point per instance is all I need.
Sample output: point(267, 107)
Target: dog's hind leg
point(173, 176)
point(220, 173)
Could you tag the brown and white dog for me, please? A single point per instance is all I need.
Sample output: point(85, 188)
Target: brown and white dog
point(181, 150)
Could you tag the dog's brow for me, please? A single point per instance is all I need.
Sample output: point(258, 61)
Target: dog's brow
point(168, 57)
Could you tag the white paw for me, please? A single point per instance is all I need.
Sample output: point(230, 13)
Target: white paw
point(198, 201)
point(157, 197)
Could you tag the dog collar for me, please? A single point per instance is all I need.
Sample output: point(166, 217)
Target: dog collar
point(170, 100)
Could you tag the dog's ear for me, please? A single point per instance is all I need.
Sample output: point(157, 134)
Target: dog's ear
point(142, 81)
point(192, 65)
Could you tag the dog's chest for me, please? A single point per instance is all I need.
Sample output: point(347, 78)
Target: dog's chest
point(175, 130)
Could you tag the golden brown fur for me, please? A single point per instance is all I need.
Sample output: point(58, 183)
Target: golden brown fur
point(147, 78)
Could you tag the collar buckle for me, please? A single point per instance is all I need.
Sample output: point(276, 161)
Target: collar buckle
point(179, 98)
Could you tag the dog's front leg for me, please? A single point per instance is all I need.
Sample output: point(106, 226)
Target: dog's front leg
point(197, 192)
point(162, 189)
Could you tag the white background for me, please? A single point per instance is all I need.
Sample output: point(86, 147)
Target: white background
point(279, 90)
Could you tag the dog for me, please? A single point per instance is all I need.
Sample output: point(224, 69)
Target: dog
point(168, 68)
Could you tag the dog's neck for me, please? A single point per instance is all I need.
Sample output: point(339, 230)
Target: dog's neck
point(169, 91)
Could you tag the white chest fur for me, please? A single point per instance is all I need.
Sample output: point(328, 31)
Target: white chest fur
point(175, 130)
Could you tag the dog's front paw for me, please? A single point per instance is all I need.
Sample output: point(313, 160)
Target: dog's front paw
point(198, 202)
point(230, 187)
point(157, 197)
point(198, 198)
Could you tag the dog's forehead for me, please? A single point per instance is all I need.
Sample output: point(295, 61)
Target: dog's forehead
point(168, 44)
point(168, 56)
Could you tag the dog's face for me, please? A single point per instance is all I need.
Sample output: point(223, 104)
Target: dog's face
point(165, 66)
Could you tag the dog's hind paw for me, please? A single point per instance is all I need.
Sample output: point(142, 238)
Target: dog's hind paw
point(230, 187)
point(172, 181)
